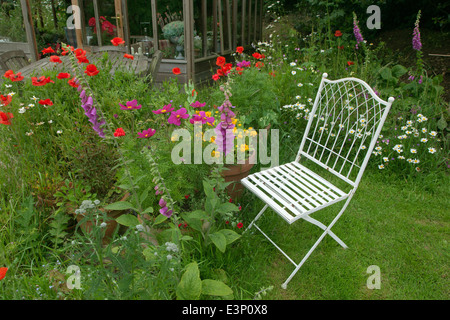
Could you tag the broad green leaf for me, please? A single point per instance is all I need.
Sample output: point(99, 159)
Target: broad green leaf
point(190, 286)
point(230, 235)
point(215, 288)
point(227, 207)
point(143, 196)
point(398, 70)
point(442, 124)
point(209, 191)
point(386, 74)
point(148, 210)
point(128, 220)
point(120, 205)
point(219, 240)
point(159, 219)
point(194, 219)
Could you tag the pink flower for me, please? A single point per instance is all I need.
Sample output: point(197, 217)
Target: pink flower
point(147, 133)
point(131, 105)
point(176, 116)
point(197, 104)
point(201, 116)
point(166, 109)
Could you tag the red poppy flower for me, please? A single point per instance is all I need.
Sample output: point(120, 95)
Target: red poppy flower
point(119, 133)
point(257, 55)
point(82, 59)
point(341, 47)
point(239, 70)
point(3, 272)
point(240, 225)
point(220, 61)
point(72, 83)
point(48, 50)
point(128, 56)
point(16, 77)
point(338, 33)
point(80, 52)
point(240, 49)
point(8, 74)
point(193, 92)
point(215, 77)
point(231, 200)
point(186, 196)
point(42, 81)
point(350, 63)
point(5, 100)
point(4, 118)
point(227, 67)
point(64, 52)
point(63, 75)
point(272, 73)
point(91, 70)
point(176, 71)
point(117, 41)
point(55, 59)
point(259, 64)
point(46, 102)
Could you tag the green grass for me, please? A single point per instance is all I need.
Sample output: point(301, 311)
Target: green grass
point(396, 226)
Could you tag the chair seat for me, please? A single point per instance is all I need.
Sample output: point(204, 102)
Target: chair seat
point(293, 191)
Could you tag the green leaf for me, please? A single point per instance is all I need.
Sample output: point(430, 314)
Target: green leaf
point(128, 220)
point(148, 210)
point(442, 124)
point(230, 235)
point(194, 219)
point(190, 286)
point(398, 70)
point(386, 74)
point(119, 205)
point(143, 196)
point(219, 240)
point(227, 207)
point(215, 288)
point(160, 219)
point(209, 190)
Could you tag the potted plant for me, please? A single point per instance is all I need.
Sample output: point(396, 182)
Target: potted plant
point(174, 32)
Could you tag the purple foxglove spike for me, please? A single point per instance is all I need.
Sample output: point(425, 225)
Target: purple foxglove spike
point(162, 203)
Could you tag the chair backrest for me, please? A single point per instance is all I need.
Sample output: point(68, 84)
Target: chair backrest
point(343, 126)
point(154, 64)
point(13, 60)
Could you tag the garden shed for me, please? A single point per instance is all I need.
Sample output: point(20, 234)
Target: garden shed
point(190, 33)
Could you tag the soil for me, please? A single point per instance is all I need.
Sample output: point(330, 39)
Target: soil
point(433, 43)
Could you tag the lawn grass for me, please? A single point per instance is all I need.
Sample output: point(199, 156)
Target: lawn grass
point(395, 225)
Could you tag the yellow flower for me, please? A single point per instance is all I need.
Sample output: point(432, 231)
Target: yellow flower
point(215, 154)
point(243, 147)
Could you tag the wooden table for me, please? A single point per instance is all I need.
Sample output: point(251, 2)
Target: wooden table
point(139, 65)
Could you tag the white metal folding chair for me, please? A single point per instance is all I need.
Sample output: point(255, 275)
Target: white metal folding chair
point(343, 127)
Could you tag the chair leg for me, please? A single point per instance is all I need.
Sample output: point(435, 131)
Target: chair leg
point(256, 218)
point(327, 231)
point(324, 227)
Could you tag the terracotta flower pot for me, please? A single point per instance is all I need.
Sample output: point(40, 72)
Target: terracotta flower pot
point(235, 173)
